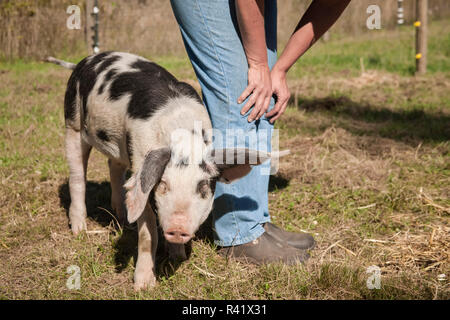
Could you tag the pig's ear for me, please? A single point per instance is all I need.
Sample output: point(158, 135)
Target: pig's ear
point(142, 182)
point(236, 163)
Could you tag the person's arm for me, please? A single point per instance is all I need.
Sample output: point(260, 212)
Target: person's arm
point(319, 17)
point(250, 16)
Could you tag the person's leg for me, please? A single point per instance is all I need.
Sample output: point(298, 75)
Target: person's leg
point(211, 36)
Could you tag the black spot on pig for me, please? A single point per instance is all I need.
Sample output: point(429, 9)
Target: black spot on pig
point(183, 162)
point(70, 98)
point(106, 63)
point(185, 89)
point(204, 188)
point(102, 135)
point(88, 77)
point(111, 73)
point(85, 75)
point(147, 87)
point(206, 168)
point(150, 87)
point(129, 148)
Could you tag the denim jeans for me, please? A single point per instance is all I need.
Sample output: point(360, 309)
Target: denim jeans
point(211, 36)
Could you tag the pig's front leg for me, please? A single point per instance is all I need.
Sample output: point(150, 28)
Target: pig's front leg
point(144, 275)
point(117, 174)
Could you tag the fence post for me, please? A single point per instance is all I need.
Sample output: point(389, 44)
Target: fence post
point(95, 11)
point(91, 26)
point(421, 36)
point(400, 16)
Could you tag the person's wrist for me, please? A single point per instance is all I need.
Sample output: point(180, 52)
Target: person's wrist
point(279, 70)
point(256, 64)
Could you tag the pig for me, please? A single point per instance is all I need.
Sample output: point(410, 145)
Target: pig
point(144, 120)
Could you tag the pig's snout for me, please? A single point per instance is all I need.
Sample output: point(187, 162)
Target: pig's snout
point(177, 226)
point(177, 236)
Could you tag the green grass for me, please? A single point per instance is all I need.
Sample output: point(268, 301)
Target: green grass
point(368, 176)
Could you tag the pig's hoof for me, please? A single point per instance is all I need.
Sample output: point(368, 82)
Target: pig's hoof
point(144, 281)
point(77, 225)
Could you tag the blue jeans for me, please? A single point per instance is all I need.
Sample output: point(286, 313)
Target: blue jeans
point(211, 36)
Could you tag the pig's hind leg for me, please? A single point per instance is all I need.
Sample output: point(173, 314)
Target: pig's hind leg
point(77, 154)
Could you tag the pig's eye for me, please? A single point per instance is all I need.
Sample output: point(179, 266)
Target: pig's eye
point(203, 188)
point(162, 187)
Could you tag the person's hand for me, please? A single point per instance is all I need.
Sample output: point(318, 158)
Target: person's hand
point(260, 88)
point(281, 91)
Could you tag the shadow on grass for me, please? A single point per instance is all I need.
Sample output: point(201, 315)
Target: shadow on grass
point(205, 231)
point(98, 199)
point(411, 126)
point(278, 182)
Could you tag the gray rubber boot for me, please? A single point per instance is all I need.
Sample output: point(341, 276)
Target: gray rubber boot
point(265, 249)
point(299, 240)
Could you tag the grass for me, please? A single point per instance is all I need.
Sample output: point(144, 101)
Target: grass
point(368, 176)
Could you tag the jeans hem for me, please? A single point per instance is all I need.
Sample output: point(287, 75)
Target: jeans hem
point(241, 240)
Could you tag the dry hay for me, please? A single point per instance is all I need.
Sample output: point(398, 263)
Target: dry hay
point(368, 78)
point(339, 156)
point(339, 159)
point(423, 250)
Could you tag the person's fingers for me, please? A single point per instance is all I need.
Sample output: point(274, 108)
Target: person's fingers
point(244, 95)
point(282, 99)
point(249, 103)
point(261, 106)
point(257, 107)
point(280, 112)
point(276, 107)
point(282, 104)
point(256, 93)
point(265, 107)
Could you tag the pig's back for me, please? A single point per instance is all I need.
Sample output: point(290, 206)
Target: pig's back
point(107, 89)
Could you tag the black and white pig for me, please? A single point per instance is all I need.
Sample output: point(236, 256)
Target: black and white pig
point(143, 119)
